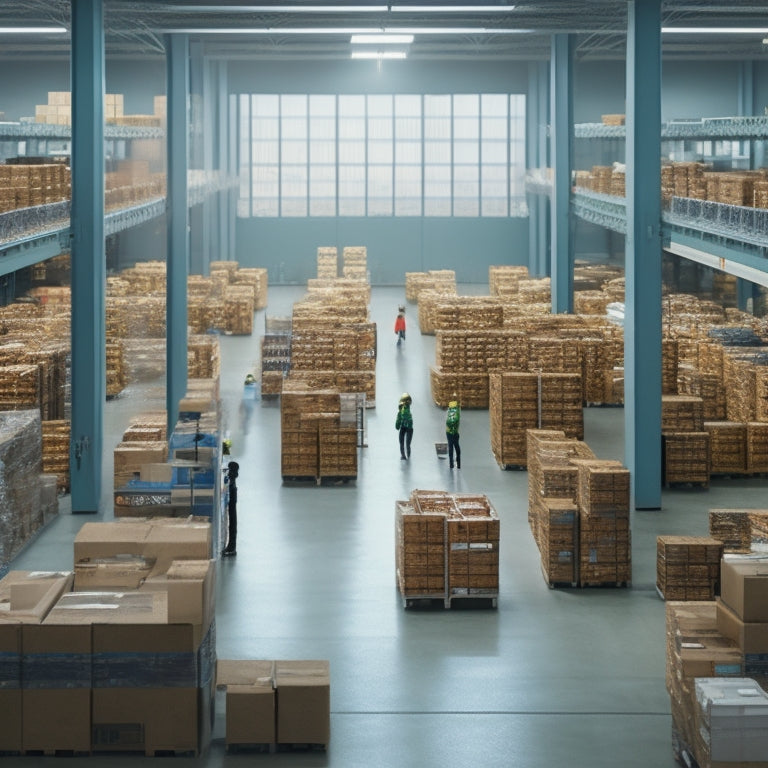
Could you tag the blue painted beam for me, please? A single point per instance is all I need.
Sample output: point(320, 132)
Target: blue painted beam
point(222, 158)
point(561, 151)
point(177, 64)
point(537, 158)
point(642, 326)
point(88, 263)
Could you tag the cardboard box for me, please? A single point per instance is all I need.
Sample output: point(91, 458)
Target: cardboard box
point(97, 541)
point(751, 637)
point(744, 588)
point(106, 607)
point(112, 573)
point(169, 542)
point(250, 701)
point(56, 697)
point(156, 473)
point(28, 596)
point(303, 695)
point(10, 686)
point(190, 586)
point(164, 699)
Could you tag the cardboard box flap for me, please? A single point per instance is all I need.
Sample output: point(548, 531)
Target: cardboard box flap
point(28, 596)
point(305, 672)
point(128, 607)
point(244, 672)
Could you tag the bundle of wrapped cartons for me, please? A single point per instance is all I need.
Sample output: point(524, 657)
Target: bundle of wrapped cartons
point(446, 546)
point(475, 351)
point(681, 413)
point(740, 530)
point(349, 348)
point(318, 439)
point(204, 356)
point(757, 447)
point(589, 521)
point(26, 185)
point(55, 451)
point(442, 281)
point(522, 401)
point(360, 382)
point(327, 262)
point(535, 291)
point(727, 447)
point(325, 310)
point(354, 289)
point(275, 702)
point(470, 389)
point(688, 567)
point(477, 312)
point(256, 277)
point(605, 552)
point(708, 386)
point(20, 470)
point(116, 370)
point(355, 262)
point(505, 280)
point(686, 458)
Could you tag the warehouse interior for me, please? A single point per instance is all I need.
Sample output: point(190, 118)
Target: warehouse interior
point(492, 172)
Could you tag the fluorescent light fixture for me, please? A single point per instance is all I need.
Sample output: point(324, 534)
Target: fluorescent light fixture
point(379, 55)
point(32, 30)
point(281, 8)
point(453, 8)
point(714, 30)
point(343, 31)
point(457, 30)
point(386, 39)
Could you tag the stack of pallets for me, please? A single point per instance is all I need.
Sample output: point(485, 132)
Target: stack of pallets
point(727, 447)
point(688, 567)
point(56, 436)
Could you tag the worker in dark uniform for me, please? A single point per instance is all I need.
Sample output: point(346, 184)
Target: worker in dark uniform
point(233, 469)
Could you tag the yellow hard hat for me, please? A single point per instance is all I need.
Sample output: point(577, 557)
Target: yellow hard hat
point(453, 404)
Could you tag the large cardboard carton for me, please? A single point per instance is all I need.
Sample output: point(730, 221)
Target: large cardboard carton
point(112, 573)
point(162, 698)
point(751, 637)
point(96, 541)
point(303, 691)
point(250, 701)
point(126, 607)
point(744, 588)
point(166, 542)
point(10, 686)
point(56, 679)
point(190, 586)
point(28, 596)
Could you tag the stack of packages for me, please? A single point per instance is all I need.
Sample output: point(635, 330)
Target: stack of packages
point(56, 436)
point(355, 258)
point(446, 546)
point(28, 499)
point(26, 184)
point(318, 437)
point(275, 361)
point(442, 281)
point(522, 401)
point(716, 669)
point(327, 262)
point(101, 667)
point(505, 281)
point(688, 567)
point(685, 444)
point(275, 703)
point(578, 512)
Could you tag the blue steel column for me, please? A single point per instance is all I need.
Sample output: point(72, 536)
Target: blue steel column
point(88, 264)
point(642, 327)
point(177, 58)
point(561, 143)
point(746, 108)
point(542, 203)
point(537, 119)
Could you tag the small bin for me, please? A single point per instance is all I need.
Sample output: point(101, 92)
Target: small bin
point(442, 450)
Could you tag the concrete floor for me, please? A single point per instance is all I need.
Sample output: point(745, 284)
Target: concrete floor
point(551, 678)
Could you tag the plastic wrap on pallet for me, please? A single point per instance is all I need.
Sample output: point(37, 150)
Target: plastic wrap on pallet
point(56, 670)
point(206, 657)
point(175, 669)
point(10, 670)
point(20, 467)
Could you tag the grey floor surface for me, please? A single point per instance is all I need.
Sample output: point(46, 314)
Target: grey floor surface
point(571, 678)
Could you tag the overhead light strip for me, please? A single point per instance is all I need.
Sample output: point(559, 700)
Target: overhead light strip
point(452, 8)
point(714, 30)
point(386, 39)
point(343, 31)
point(379, 55)
point(32, 30)
point(281, 8)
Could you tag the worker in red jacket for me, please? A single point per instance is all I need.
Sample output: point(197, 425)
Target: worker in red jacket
point(400, 325)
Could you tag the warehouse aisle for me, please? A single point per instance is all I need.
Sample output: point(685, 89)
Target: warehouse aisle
point(553, 677)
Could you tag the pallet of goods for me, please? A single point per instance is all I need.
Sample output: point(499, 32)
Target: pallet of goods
point(727, 447)
point(471, 389)
point(558, 539)
point(474, 351)
point(686, 458)
point(505, 280)
point(362, 382)
point(688, 567)
point(355, 262)
point(681, 413)
point(446, 547)
point(535, 291)
point(442, 281)
point(55, 451)
point(605, 552)
point(327, 262)
point(476, 312)
point(757, 448)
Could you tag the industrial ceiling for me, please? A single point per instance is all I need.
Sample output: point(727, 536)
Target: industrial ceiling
point(298, 29)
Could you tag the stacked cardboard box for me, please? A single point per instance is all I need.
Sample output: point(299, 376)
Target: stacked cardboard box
point(681, 413)
point(605, 553)
point(728, 447)
point(276, 702)
point(355, 262)
point(447, 545)
point(318, 440)
point(505, 280)
point(708, 386)
point(55, 451)
point(473, 351)
point(471, 388)
point(441, 281)
point(686, 458)
point(522, 401)
point(558, 537)
point(327, 262)
point(341, 287)
point(695, 650)
point(688, 567)
point(757, 447)
point(129, 457)
point(732, 527)
point(350, 348)
point(360, 382)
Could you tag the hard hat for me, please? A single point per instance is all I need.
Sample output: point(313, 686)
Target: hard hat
point(405, 397)
point(453, 404)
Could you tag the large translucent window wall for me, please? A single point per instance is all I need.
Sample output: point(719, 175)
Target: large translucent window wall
point(459, 155)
